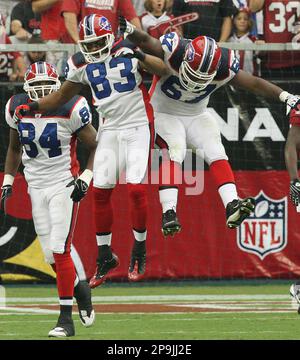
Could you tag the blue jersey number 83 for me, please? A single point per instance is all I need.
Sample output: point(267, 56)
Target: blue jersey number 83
point(97, 75)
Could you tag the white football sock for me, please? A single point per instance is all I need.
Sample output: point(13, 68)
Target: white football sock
point(139, 236)
point(104, 239)
point(168, 199)
point(228, 193)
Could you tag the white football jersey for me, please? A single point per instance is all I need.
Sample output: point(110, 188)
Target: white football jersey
point(49, 140)
point(168, 96)
point(119, 95)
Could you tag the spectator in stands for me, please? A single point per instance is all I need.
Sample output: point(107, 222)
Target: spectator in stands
point(279, 20)
point(35, 56)
point(241, 4)
point(214, 18)
point(5, 9)
point(53, 30)
point(242, 26)
point(52, 23)
point(75, 10)
point(23, 21)
point(12, 66)
point(155, 15)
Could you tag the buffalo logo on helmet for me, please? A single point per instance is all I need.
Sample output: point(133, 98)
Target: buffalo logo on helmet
point(105, 24)
point(190, 52)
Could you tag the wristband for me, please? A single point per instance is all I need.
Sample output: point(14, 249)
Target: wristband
point(86, 176)
point(8, 180)
point(283, 96)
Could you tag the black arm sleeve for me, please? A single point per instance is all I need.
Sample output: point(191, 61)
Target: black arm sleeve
point(227, 8)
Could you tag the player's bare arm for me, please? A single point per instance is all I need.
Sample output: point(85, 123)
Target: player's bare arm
point(87, 136)
point(265, 88)
point(256, 85)
point(142, 39)
point(12, 163)
point(291, 150)
point(60, 97)
point(292, 147)
point(50, 102)
point(154, 65)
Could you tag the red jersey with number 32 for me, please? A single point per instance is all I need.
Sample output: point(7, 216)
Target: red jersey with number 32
point(279, 19)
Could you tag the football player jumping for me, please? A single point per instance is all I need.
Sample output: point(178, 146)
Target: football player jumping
point(197, 68)
point(112, 71)
point(46, 144)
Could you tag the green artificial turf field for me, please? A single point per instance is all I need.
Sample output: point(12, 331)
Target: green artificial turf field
point(161, 311)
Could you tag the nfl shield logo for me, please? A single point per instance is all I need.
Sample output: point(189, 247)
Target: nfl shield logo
point(265, 231)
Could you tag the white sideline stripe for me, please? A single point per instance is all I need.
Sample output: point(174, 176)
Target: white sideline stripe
point(136, 298)
point(30, 310)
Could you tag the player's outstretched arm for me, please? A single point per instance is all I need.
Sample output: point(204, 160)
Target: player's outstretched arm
point(58, 98)
point(51, 101)
point(12, 163)
point(88, 136)
point(140, 38)
point(256, 85)
point(153, 64)
point(266, 89)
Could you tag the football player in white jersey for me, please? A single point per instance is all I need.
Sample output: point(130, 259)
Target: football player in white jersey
point(46, 145)
point(197, 68)
point(112, 70)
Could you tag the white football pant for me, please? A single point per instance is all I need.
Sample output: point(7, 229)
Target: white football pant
point(54, 215)
point(118, 150)
point(199, 132)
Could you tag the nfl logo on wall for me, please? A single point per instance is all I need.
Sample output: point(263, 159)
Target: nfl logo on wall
point(265, 231)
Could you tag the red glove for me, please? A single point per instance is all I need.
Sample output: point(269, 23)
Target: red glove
point(23, 109)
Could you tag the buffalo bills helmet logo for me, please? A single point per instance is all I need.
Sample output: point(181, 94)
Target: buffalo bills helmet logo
point(190, 53)
point(105, 24)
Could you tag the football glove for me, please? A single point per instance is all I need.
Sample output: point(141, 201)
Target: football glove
point(125, 27)
point(23, 109)
point(292, 101)
point(81, 185)
point(295, 192)
point(5, 194)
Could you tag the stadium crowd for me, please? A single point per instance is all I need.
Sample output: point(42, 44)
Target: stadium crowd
point(240, 21)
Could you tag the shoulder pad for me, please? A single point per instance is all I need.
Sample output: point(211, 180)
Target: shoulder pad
point(224, 67)
point(178, 54)
point(64, 111)
point(17, 100)
point(78, 59)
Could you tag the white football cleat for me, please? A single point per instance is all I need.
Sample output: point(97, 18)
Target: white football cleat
point(85, 319)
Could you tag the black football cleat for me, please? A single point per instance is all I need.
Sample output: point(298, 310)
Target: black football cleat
point(238, 210)
point(103, 268)
point(170, 223)
point(83, 296)
point(63, 328)
point(137, 265)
